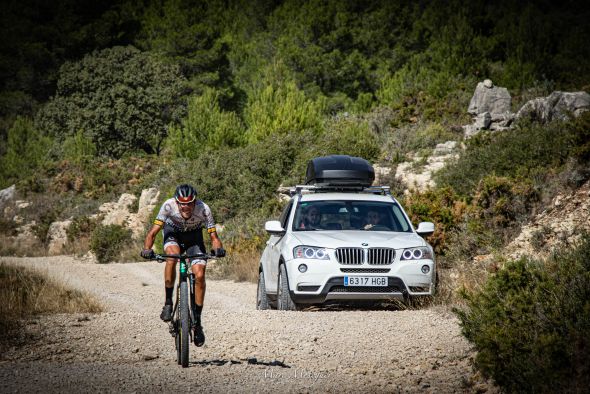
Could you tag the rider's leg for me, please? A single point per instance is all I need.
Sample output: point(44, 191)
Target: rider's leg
point(199, 272)
point(169, 279)
point(170, 270)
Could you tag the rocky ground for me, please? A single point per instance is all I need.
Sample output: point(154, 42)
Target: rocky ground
point(127, 348)
point(560, 225)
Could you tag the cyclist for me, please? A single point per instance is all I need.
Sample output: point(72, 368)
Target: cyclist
point(183, 218)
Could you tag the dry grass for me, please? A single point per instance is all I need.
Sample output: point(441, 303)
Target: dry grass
point(241, 266)
point(463, 275)
point(11, 246)
point(25, 293)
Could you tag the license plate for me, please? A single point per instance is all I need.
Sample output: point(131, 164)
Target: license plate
point(365, 281)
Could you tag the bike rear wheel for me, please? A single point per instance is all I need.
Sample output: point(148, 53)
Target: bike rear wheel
point(184, 329)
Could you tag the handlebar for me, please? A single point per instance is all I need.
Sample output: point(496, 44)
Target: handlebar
point(202, 256)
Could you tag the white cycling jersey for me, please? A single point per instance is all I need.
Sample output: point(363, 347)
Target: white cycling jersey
point(170, 215)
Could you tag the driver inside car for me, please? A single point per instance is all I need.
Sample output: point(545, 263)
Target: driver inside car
point(373, 218)
point(311, 219)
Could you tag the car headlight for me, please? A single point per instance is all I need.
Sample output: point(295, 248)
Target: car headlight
point(416, 253)
point(310, 252)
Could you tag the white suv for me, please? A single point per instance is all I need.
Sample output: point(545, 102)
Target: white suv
point(344, 243)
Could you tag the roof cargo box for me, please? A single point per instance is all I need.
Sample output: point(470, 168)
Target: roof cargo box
point(339, 171)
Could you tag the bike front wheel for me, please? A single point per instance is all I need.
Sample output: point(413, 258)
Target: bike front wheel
point(184, 329)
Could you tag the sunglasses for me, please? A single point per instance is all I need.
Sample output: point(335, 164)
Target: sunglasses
point(184, 204)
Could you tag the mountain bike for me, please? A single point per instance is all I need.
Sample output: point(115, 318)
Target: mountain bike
point(182, 313)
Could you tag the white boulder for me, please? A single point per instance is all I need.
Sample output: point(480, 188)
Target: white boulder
point(57, 236)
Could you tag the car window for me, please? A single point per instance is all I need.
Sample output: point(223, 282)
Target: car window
point(350, 215)
point(285, 214)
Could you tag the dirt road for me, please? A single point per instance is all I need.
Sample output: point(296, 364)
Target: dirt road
point(128, 349)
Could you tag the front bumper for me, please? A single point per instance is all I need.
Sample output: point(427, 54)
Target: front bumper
point(334, 289)
point(324, 280)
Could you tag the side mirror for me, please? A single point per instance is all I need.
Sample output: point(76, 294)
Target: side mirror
point(274, 227)
point(425, 229)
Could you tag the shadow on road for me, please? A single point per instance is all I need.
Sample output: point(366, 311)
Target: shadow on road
point(250, 360)
point(387, 305)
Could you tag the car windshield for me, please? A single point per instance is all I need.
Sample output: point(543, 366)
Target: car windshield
point(350, 215)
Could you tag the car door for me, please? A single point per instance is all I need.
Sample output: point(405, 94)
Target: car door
point(273, 247)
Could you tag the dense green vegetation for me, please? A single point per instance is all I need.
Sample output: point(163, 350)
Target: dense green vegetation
point(531, 323)
point(100, 98)
point(249, 69)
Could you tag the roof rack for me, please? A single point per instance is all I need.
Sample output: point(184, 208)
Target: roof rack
point(318, 188)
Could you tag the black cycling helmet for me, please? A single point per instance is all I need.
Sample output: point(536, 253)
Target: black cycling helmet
point(185, 194)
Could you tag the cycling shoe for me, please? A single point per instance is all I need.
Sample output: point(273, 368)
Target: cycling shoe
point(199, 336)
point(166, 314)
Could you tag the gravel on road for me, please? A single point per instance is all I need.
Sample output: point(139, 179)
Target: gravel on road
point(128, 349)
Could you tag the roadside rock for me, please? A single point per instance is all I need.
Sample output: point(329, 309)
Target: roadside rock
point(558, 105)
point(117, 212)
point(57, 237)
point(417, 174)
point(89, 258)
point(445, 148)
point(490, 106)
point(6, 196)
point(380, 174)
point(283, 194)
point(489, 98)
point(147, 202)
point(26, 237)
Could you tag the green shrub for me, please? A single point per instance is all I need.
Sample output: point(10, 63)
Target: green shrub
point(26, 151)
point(78, 148)
point(206, 126)
point(442, 207)
point(347, 136)
point(122, 98)
point(82, 226)
point(531, 323)
point(581, 136)
point(281, 109)
point(107, 242)
point(529, 151)
point(503, 201)
point(97, 178)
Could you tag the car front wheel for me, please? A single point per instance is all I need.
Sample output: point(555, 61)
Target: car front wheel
point(262, 302)
point(284, 301)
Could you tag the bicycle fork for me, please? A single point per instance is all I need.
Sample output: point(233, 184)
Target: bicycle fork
point(173, 324)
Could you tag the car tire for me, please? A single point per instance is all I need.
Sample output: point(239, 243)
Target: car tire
point(262, 301)
point(284, 301)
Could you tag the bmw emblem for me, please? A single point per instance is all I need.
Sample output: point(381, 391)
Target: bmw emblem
point(365, 244)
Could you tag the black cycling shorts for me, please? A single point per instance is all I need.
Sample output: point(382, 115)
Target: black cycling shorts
point(190, 242)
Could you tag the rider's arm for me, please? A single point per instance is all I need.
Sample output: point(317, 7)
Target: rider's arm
point(215, 241)
point(151, 236)
point(211, 229)
point(159, 221)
